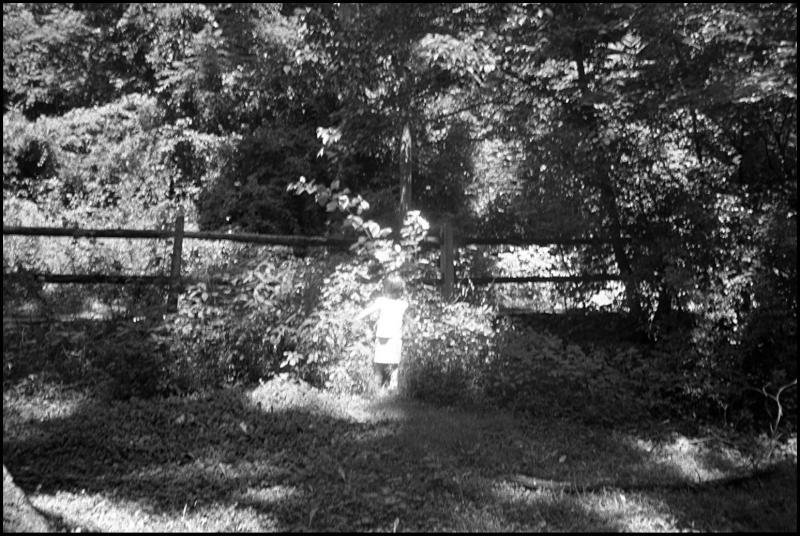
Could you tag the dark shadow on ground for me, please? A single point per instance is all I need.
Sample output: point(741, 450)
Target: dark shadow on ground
point(297, 462)
point(767, 504)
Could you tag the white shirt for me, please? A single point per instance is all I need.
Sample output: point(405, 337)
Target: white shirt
point(390, 321)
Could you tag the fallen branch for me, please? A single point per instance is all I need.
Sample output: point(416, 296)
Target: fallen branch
point(777, 399)
point(541, 484)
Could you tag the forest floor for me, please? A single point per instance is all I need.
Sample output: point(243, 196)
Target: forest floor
point(286, 457)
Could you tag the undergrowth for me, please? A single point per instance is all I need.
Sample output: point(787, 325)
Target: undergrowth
point(284, 314)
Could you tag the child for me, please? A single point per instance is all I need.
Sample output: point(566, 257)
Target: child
point(389, 331)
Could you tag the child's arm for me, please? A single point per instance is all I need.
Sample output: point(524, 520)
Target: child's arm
point(368, 311)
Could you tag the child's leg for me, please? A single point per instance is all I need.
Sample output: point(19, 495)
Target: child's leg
point(379, 373)
point(382, 345)
point(393, 376)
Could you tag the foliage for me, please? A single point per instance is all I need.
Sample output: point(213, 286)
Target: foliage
point(329, 351)
point(611, 384)
point(221, 334)
point(626, 117)
point(49, 54)
point(669, 129)
point(336, 200)
point(446, 173)
point(446, 348)
point(610, 110)
point(115, 163)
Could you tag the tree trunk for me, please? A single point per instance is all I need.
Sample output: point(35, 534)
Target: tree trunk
point(19, 515)
point(664, 307)
point(406, 175)
point(609, 200)
point(406, 168)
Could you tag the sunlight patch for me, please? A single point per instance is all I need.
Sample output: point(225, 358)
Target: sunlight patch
point(99, 513)
point(602, 510)
point(629, 512)
point(93, 512)
point(19, 408)
point(283, 393)
point(691, 459)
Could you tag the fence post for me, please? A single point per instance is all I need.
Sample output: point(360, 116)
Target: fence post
point(446, 260)
point(175, 270)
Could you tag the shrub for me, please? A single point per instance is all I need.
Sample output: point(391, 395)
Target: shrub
point(238, 332)
point(119, 359)
point(538, 372)
point(533, 370)
point(329, 349)
point(444, 344)
point(446, 348)
point(113, 165)
point(30, 161)
point(135, 364)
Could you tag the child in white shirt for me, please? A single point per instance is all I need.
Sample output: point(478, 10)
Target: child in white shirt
point(388, 331)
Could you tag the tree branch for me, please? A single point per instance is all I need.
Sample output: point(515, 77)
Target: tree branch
point(571, 487)
point(777, 399)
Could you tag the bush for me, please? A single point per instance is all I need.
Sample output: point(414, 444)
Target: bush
point(446, 349)
point(29, 158)
point(445, 345)
point(539, 372)
point(330, 350)
point(118, 359)
point(136, 366)
point(112, 165)
point(237, 332)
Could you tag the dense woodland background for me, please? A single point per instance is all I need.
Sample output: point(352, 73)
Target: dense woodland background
point(669, 129)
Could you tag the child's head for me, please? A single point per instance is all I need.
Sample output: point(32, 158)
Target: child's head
point(393, 286)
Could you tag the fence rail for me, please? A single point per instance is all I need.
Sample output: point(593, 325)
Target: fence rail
point(252, 238)
point(89, 279)
point(531, 241)
point(447, 241)
point(292, 240)
point(586, 278)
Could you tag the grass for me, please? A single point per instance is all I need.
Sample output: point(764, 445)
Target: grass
point(286, 457)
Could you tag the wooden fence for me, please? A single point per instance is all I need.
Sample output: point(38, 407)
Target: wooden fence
point(174, 279)
point(447, 243)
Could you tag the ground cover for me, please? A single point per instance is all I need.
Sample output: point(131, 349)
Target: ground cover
point(285, 456)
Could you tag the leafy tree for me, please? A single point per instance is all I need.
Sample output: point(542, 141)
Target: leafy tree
point(47, 57)
point(616, 102)
point(387, 64)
